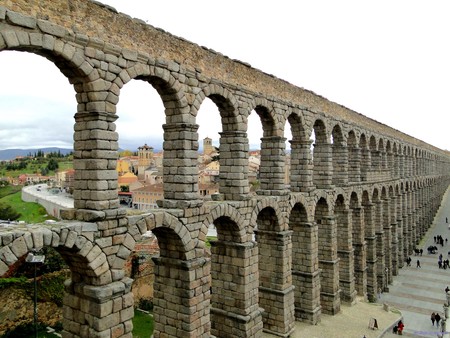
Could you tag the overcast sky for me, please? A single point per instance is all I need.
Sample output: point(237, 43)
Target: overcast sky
point(386, 59)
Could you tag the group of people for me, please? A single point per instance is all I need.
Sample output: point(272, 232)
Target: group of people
point(439, 240)
point(432, 249)
point(435, 317)
point(418, 252)
point(398, 329)
point(408, 262)
point(443, 264)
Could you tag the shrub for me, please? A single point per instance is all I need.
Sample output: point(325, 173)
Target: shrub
point(51, 287)
point(13, 281)
point(8, 213)
point(145, 304)
point(23, 330)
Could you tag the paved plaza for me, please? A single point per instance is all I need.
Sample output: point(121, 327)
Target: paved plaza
point(417, 292)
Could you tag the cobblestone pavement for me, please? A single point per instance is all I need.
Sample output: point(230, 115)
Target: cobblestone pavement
point(351, 322)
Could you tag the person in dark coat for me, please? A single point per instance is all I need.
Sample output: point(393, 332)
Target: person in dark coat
point(437, 318)
point(433, 318)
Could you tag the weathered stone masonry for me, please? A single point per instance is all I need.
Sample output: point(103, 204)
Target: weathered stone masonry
point(356, 206)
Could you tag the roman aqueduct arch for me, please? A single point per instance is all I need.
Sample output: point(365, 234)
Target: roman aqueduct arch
point(356, 205)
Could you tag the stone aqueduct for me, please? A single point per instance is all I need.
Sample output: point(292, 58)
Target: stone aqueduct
point(354, 209)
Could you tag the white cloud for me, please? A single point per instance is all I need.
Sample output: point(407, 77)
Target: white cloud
point(37, 103)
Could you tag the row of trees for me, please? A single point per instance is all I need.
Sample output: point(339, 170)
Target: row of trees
point(17, 165)
point(22, 164)
point(52, 154)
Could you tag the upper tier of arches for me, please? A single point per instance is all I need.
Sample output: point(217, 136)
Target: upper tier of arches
point(331, 146)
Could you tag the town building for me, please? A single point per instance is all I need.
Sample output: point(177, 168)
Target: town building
point(146, 197)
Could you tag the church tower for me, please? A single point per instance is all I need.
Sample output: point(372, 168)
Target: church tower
point(145, 159)
point(208, 148)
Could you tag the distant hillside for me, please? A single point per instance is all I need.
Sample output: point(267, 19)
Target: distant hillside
point(11, 154)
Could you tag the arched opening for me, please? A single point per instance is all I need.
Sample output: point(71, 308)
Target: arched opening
point(37, 125)
point(209, 131)
point(374, 156)
point(396, 161)
point(339, 157)
point(383, 155)
point(354, 158)
point(300, 176)
point(365, 158)
point(34, 115)
point(390, 159)
point(140, 130)
point(37, 104)
point(255, 137)
point(322, 156)
point(233, 148)
point(272, 152)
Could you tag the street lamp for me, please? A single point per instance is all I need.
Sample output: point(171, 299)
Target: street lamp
point(35, 260)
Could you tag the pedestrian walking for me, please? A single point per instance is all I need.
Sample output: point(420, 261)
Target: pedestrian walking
point(433, 318)
point(400, 327)
point(446, 220)
point(437, 318)
point(418, 264)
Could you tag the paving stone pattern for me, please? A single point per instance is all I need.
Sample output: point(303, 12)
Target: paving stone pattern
point(419, 292)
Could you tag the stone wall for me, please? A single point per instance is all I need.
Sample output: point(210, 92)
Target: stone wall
point(52, 204)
